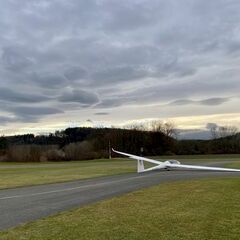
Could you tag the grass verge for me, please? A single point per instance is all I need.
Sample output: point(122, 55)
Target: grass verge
point(17, 175)
point(26, 174)
point(199, 209)
point(234, 165)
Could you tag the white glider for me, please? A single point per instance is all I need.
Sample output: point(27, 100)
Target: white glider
point(169, 164)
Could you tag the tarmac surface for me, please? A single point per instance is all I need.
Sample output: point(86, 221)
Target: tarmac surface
point(21, 205)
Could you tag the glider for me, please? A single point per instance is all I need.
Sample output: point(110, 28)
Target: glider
point(169, 164)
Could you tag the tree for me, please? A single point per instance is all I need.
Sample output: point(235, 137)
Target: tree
point(156, 126)
point(213, 129)
point(225, 131)
point(221, 131)
point(167, 128)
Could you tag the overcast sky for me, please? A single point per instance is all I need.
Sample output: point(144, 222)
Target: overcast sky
point(63, 62)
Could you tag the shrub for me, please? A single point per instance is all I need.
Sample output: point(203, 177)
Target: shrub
point(34, 153)
point(80, 151)
point(24, 153)
point(53, 155)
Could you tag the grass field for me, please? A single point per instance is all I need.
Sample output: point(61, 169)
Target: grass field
point(16, 175)
point(26, 174)
point(199, 210)
point(234, 164)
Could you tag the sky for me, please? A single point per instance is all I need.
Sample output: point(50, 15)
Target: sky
point(68, 63)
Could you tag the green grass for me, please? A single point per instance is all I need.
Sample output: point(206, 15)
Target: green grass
point(234, 164)
point(199, 210)
point(203, 158)
point(26, 174)
point(16, 175)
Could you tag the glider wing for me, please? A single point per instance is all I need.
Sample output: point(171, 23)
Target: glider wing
point(138, 157)
point(182, 166)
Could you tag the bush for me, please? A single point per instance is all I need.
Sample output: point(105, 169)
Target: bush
point(53, 155)
point(169, 153)
point(80, 151)
point(3, 158)
point(24, 153)
point(34, 153)
point(38, 153)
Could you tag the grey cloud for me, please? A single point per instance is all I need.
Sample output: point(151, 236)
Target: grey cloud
point(181, 102)
point(119, 74)
point(80, 96)
point(35, 111)
point(117, 101)
point(207, 102)
point(214, 101)
point(123, 16)
point(14, 60)
point(184, 71)
point(26, 114)
point(199, 24)
point(49, 80)
point(110, 103)
point(75, 73)
point(20, 97)
point(165, 92)
point(233, 48)
point(101, 113)
point(4, 120)
point(140, 54)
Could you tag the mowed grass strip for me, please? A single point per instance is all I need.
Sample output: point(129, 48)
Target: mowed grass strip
point(27, 174)
point(203, 158)
point(16, 175)
point(234, 165)
point(199, 209)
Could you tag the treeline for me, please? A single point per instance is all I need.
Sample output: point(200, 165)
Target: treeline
point(91, 143)
point(222, 145)
point(83, 143)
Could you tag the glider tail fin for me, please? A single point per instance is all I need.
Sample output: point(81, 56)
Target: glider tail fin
point(140, 166)
point(140, 161)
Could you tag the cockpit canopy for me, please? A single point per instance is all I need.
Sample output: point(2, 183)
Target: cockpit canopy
point(174, 161)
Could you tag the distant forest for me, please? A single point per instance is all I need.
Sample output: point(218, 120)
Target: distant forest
point(90, 143)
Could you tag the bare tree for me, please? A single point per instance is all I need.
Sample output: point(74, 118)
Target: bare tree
point(213, 129)
point(136, 126)
point(167, 128)
point(221, 131)
point(225, 131)
point(156, 126)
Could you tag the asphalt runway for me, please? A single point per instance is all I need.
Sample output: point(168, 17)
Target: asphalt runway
point(21, 205)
